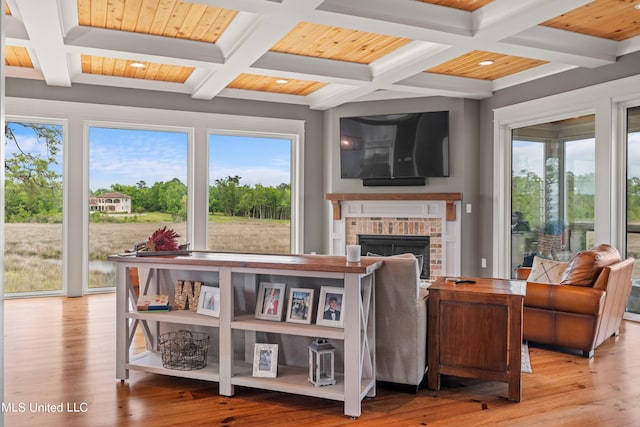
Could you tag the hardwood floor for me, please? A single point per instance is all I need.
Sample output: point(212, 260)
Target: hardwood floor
point(61, 351)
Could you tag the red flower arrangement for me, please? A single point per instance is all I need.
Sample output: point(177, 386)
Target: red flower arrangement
point(162, 239)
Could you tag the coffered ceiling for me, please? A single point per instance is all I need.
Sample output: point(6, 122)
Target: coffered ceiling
point(318, 53)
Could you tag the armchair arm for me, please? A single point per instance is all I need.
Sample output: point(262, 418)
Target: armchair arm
point(567, 298)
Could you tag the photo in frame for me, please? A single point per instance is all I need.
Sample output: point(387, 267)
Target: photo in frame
point(270, 300)
point(331, 307)
point(265, 360)
point(299, 309)
point(209, 301)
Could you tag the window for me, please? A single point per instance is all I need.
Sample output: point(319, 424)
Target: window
point(100, 154)
point(552, 190)
point(249, 193)
point(33, 207)
point(138, 184)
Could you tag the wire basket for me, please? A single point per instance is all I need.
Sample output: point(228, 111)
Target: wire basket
point(184, 350)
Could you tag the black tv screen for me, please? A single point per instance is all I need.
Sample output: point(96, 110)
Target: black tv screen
point(395, 145)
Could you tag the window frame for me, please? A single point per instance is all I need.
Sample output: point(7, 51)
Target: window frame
point(296, 183)
point(87, 125)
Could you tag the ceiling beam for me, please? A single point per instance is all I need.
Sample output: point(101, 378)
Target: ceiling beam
point(42, 23)
point(263, 32)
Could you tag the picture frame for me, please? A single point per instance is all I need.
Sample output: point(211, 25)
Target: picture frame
point(209, 301)
point(265, 360)
point(300, 307)
point(270, 301)
point(329, 295)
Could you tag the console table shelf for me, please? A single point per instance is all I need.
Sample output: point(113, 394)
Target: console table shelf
point(151, 361)
point(238, 277)
point(292, 380)
point(181, 317)
point(248, 323)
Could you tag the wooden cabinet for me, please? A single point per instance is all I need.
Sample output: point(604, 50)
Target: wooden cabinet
point(475, 331)
point(238, 277)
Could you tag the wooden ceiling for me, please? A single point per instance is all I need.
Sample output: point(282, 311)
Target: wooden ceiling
point(609, 19)
point(127, 68)
point(329, 51)
point(275, 84)
point(16, 56)
point(498, 65)
point(164, 18)
point(468, 5)
point(341, 44)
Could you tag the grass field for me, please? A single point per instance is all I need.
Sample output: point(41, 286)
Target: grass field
point(33, 252)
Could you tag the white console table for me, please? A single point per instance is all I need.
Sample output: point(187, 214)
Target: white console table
point(238, 277)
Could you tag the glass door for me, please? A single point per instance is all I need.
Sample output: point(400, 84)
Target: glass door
point(552, 190)
point(33, 208)
point(633, 204)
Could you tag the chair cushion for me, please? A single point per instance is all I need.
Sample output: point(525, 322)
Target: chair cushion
point(585, 266)
point(546, 270)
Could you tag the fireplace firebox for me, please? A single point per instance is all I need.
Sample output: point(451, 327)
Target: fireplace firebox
point(385, 245)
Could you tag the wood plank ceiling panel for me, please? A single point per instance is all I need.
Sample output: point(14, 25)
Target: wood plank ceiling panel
point(122, 68)
point(468, 5)
point(611, 19)
point(167, 18)
point(17, 56)
point(467, 65)
point(323, 41)
point(275, 84)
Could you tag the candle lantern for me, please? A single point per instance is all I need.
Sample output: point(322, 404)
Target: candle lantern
point(321, 363)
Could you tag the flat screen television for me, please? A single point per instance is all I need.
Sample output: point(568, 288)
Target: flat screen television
point(386, 147)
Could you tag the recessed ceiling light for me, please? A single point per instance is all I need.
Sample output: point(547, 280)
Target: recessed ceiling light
point(282, 81)
point(137, 65)
point(637, 6)
point(486, 62)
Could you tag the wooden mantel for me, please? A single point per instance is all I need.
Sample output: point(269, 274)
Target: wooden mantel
point(337, 198)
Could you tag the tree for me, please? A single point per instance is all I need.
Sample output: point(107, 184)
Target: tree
point(175, 197)
point(633, 200)
point(33, 187)
point(228, 194)
point(526, 197)
point(580, 197)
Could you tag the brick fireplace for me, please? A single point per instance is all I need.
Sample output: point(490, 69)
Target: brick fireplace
point(436, 215)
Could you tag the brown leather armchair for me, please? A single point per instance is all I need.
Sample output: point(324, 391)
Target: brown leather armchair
point(586, 308)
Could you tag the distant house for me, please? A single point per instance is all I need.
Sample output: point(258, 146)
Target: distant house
point(110, 203)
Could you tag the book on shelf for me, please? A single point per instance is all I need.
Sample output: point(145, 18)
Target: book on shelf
point(153, 303)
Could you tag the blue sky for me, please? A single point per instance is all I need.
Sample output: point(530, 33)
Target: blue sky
point(265, 161)
point(125, 156)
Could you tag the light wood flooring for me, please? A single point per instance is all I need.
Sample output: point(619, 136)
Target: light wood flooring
point(62, 351)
